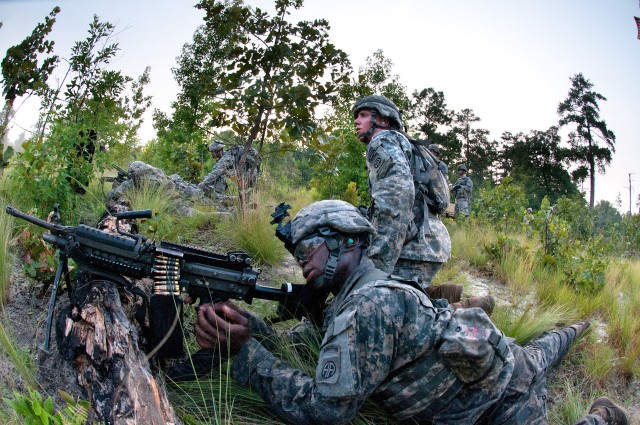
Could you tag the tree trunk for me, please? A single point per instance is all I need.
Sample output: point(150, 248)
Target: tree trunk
point(102, 343)
point(98, 337)
point(592, 181)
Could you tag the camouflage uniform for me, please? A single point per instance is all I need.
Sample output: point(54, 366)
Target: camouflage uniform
point(384, 339)
point(462, 191)
point(413, 249)
point(215, 185)
point(140, 174)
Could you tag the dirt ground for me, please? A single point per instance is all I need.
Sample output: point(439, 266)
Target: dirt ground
point(24, 317)
point(25, 314)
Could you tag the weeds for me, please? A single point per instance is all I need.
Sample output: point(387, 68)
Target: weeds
point(6, 259)
point(574, 403)
point(36, 410)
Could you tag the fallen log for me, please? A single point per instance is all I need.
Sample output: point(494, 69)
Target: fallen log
point(94, 332)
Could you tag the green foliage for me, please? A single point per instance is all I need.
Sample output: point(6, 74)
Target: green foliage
point(501, 246)
point(429, 111)
point(586, 268)
point(89, 125)
point(40, 175)
point(630, 235)
point(259, 75)
point(288, 166)
point(5, 156)
point(176, 150)
point(351, 195)
point(38, 411)
point(21, 74)
point(6, 257)
point(20, 71)
point(534, 161)
point(251, 232)
point(581, 110)
point(502, 205)
point(340, 164)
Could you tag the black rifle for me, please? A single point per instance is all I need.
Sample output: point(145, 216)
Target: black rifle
point(174, 269)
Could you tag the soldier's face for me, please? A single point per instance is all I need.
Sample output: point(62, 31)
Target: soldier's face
point(363, 125)
point(312, 255)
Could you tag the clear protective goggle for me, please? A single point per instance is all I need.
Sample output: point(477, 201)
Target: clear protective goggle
point(307, 247)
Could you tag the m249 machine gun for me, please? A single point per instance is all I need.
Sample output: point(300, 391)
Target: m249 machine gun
point(173, 268)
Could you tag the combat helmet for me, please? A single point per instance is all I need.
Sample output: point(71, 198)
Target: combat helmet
point(379, 105)
point(330, 220)
point(215, 145)
point(462, 167)
point(435, 148)
point(338, 216)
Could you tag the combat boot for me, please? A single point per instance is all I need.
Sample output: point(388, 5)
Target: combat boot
point(486, 303)
point(450, 292)
point(609, 411)
point(580, 327)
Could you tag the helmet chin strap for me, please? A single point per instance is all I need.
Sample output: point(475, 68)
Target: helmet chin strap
point(374, 125)
point(336, 248)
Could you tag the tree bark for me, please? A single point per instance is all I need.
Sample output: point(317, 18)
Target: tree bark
point(96, 335)
point(102, 343)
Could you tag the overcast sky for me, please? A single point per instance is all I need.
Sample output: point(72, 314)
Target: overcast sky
point(509, 61)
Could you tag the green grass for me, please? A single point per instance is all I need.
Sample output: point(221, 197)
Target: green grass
point(20, 359)
point(532, 322)
point(576, 400)
point(541, 300)
point(252, 233)
point(6, 257)
point(467, 243)
point(599, 360)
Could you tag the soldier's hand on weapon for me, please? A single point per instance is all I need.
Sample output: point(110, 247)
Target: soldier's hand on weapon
point(222, 325)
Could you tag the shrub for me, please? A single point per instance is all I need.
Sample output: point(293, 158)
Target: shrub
point(37, 411)
point(502, 205)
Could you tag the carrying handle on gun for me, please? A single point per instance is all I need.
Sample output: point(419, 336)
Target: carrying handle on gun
point(132, 215)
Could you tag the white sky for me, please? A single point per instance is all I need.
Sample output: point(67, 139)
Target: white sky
point(509, 61)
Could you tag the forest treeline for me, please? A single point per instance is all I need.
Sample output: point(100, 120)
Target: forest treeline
point(251, 78)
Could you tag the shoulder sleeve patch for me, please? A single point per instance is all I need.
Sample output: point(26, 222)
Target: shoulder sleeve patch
point(337, 371)
point(378, 160)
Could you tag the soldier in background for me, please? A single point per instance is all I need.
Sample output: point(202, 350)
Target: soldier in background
point(215, 185)
point(406, 242)
point(384, 339)
point(462, 190)
point(444, 168)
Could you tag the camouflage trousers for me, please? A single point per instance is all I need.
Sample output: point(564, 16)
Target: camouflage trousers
point(214, 188)
point(462, 207)
point(420, 271)
point(525, 399)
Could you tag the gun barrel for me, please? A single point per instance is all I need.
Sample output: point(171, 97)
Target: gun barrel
point(273, 294)
point(31, 219)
